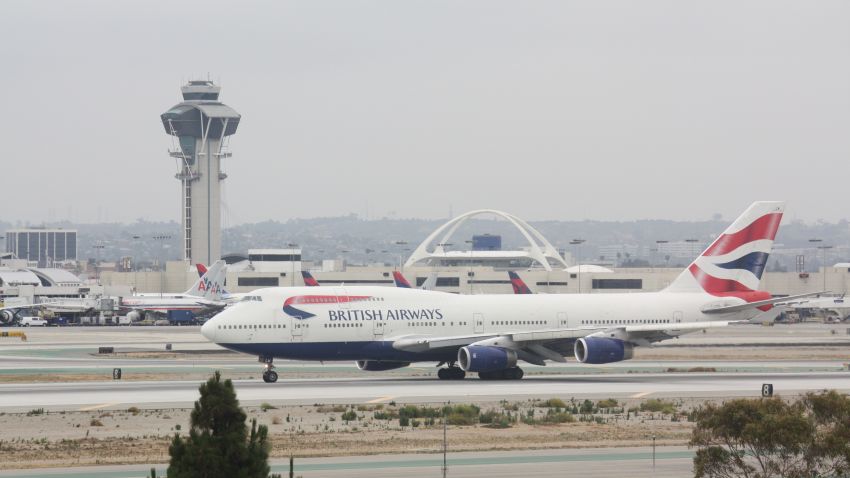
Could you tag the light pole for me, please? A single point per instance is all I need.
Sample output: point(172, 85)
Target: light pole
point(653, 454)
point(136, 262)
point(292, 247)
point(658, 244)
point(693, 243)
point(98, 247)
point(823, 261)
point(400, 264)
point(578, 242)
point(161, 238)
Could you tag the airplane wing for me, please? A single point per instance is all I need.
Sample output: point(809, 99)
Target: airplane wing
point(777, 301)
point(534, 346)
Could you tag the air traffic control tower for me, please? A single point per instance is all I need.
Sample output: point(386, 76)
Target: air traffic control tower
point(201, 126)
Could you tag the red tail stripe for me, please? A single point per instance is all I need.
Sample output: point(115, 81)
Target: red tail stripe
point(713, 285)
point(728, 288)
point(400, 278)
point(764, 227)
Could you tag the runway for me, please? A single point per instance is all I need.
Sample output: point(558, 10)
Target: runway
point(167, 394)
point(593, 462)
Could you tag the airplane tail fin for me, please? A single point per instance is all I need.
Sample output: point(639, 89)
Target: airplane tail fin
point(309, 280)
point(733, 264)
point(430, 282)
point(518, 284)
point(202, 269)
point(211, 284)
point(400, 280)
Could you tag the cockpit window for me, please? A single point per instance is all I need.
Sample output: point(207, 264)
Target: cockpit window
point(252, 298)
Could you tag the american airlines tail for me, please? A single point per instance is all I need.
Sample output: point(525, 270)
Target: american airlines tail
point(733, 264)
point(211, 284)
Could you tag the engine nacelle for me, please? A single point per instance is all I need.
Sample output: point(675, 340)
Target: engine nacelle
point(6, 316)
point(598, 350)
point(480, 358)
point(379, 366)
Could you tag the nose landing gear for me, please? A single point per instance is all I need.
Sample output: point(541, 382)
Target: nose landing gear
point(269, 375)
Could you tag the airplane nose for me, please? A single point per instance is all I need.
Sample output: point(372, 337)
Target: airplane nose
point(208, 330)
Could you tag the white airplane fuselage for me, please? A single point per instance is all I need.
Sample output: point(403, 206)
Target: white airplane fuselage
point(369, 323)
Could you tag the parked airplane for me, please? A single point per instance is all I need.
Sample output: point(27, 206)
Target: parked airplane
point(402, 282)
point(518, 284)
point(385, 328)
point(309, 280)
point(205, 294)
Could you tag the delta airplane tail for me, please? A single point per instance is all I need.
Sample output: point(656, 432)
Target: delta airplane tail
point(733, 264)
point(309, 280)
point(400, 280)
point(518, 284)
point(211, 283)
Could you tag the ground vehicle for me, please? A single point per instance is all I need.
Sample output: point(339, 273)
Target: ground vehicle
point(33, 322)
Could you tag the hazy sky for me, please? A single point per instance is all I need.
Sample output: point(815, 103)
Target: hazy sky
point(550, 110)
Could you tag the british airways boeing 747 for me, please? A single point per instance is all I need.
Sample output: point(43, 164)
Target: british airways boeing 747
point(385, 328)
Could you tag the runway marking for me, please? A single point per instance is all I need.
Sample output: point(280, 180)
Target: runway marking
point(97, 407)
point(641, 394)
point(382, 399)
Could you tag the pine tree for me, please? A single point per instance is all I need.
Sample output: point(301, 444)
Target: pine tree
point(219, 445)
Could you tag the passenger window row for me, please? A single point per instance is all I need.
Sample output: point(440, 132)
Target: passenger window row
point(626, 322)
point(252, 326)
point(519, 322)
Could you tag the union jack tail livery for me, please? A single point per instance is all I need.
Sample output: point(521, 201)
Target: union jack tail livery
point(518, 284)
point(309, 280)
point(400, 280)
point(733, 264)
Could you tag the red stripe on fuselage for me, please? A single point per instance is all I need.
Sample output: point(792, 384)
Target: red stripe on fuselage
point(764, 227)
point(325, 299)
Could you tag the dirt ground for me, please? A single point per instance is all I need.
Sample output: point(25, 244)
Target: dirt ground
point(59, 439)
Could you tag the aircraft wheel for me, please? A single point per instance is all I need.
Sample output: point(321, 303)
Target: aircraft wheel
point(270, 376)
point(457, 373)
point(514, 373)
point(443, 374)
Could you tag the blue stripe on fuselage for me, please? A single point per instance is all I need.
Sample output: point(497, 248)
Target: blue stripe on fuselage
point(372, 350)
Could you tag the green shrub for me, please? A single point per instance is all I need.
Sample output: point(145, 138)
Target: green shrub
point(349, 416)
point(607, 403)
point(551, 403)
point(403, 421)
point(657, 405)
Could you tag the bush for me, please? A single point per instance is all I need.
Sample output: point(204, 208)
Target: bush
point(267, 406)
point(35, 411)
point(607, 403)
point(656, 405)
point(587, 407)
point(551, 403)
point(349, 416)
point(387, 415)
point(95, 423)
point(494, 419)
point(403, 421)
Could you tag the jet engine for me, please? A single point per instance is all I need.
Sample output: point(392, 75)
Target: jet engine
point(596, 350)
point(6, 317)
point(481, 358)
point(379, 366)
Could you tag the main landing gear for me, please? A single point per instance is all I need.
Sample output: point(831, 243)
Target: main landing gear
point(453, 372)
point(269, 375)
point(515, 373)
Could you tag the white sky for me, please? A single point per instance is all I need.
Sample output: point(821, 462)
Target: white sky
point(550, 110)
